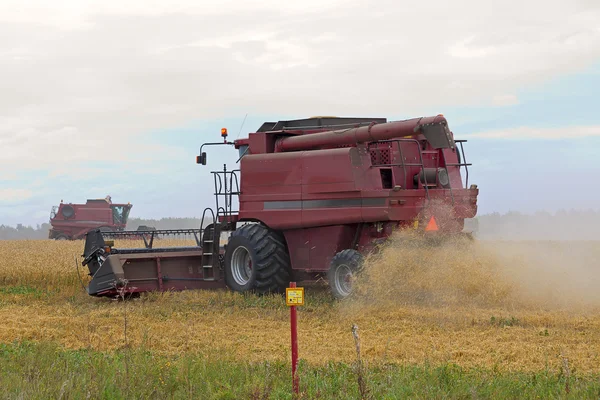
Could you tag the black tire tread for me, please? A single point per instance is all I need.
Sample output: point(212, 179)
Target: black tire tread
point(348, 256)
point(272, 259)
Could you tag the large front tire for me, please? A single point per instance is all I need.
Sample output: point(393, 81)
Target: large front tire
point(257, 260)
point(343, 269)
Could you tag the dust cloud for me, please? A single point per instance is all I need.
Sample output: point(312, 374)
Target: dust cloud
point(545, 275)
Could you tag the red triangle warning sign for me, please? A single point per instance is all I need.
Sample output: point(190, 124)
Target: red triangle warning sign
point(432, 225)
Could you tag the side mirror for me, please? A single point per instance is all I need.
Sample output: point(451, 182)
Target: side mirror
point(201, 159)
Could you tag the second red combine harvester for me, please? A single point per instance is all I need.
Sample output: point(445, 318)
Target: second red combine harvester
point(72, 221)
point(315, 195)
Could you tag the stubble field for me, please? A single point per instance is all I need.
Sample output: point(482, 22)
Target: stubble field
point(481, 320)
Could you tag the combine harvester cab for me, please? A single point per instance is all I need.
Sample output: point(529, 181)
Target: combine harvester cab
point(73, 221)
point(315, 195)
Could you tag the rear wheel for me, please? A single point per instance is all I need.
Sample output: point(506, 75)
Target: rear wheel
point(343, 269)
point(61, 237)
point(257, 259)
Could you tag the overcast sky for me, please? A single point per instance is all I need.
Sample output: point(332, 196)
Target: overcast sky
point(116, 98)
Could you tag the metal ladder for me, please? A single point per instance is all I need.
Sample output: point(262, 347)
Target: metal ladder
point(210, 247)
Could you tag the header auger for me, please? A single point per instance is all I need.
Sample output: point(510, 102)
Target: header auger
point(315, 195)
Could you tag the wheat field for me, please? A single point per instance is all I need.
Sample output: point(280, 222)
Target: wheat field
point(500, 305)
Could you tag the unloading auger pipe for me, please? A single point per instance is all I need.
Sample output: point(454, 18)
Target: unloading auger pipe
point(363, 134)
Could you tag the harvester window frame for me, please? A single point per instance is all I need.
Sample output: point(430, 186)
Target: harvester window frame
point(120, 214)
point(243, 150)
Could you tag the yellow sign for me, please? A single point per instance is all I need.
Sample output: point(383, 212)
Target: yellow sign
point(294, 296)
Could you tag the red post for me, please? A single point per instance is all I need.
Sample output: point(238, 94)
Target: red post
point(294, 326)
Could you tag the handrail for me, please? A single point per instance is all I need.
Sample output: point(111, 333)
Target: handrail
point(448, 174)
point(464, 161)
point(226, 184)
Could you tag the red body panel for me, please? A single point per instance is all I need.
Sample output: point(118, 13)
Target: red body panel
point(311, 249)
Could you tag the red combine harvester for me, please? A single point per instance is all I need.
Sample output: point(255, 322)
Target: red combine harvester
point(73, 221)
point(314, 196)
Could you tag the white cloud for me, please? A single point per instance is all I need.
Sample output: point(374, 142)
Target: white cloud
point(525, 132)
point(154, 65)
point(14, 195)
point(505, 100)
point(9, 176)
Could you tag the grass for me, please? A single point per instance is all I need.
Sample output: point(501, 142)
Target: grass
point(495, 320)
point(41, 371)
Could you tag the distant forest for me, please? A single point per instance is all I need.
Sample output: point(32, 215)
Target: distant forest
point(563, 225)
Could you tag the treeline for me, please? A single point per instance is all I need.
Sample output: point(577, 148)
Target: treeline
point(21, 232)
point(562, 225)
